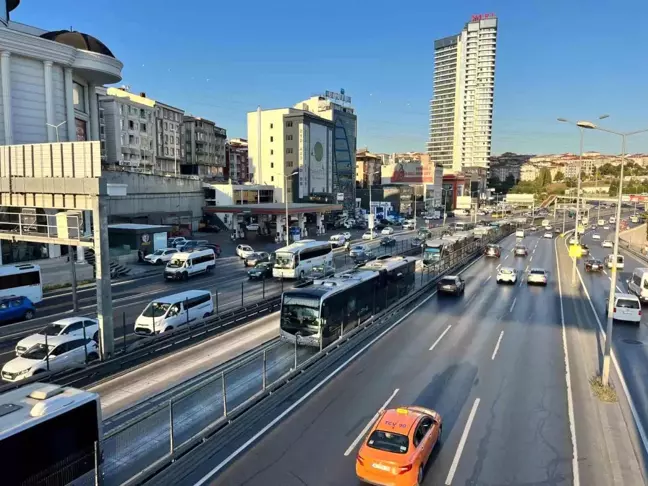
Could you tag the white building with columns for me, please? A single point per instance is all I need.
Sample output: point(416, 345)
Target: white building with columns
point(48, 84)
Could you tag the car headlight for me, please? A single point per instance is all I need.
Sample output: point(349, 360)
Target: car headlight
point(24, 372)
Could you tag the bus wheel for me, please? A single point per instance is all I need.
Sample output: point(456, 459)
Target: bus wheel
point(29, 315)
point(301, 275)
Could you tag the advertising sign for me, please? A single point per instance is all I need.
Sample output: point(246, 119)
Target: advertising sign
point(638, 198)
point(340, 197)
point(318, 158)
point(407, 173)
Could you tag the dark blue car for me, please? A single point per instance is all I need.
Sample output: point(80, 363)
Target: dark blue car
point(16, 308)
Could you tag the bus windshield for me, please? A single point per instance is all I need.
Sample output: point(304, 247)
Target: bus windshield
point(300, 313)
point(285, 260)
point(156, 309)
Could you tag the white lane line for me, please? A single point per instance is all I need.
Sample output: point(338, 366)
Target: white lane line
point(533, 250)
point(499, 340)
point(619, 289)
point(498, 266)
point(207, 477)
point(364, 431)
point(531, 259)
point(489, 277)
point(570, 398)
point(506, 257)
point(513, 304)
point(462, 443)
point(440, 337)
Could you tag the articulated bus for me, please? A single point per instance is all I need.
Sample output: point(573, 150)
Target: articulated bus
point(48, 434)
point(22, 280)
point(296, 260)
point(319, 313)
point(435, 251)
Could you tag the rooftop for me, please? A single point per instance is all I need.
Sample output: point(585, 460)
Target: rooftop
point(274, 208)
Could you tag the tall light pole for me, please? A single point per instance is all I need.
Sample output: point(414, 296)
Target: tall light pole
point(582, 125)
point(56, 127)
point(605, 371)
point(286, 179)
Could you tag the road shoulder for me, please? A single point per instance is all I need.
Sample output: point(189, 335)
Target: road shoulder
point(608, 443)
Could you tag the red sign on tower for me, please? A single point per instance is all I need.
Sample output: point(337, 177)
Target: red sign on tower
point(477, 18)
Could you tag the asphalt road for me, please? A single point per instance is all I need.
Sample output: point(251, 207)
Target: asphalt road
point(630, 342)
point(494, 354)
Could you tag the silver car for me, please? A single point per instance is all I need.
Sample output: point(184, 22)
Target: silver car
point(537, 276)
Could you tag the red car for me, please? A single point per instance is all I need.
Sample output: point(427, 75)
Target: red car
point(492, 251)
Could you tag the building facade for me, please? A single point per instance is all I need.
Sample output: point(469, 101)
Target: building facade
point(129, 122)
point(461, 110)
point(237, 167)
point(204, 148)
point(367, 168)
point(170, 133)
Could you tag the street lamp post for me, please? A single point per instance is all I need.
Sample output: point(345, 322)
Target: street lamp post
point(286, 179)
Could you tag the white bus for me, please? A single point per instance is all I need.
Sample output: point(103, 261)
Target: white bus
point(463, 226)
point(296, 260)
point(22, 280)
point(48, 434)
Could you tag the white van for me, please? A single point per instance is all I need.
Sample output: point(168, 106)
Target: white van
point(634, 219)
point(184, 265)
point(337, 241)
point(173, 311)
point(601, 222)
point(638, 283)
point(519, 233)
point(620, 261)
point(612, 220)
point(626, 308)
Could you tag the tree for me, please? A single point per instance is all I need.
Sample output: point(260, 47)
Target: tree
point(544, 177)
point(509, 182)
point(559, 176)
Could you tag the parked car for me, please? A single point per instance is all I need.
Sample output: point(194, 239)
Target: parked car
point(68, 326)
point(159, 257)
point(244, 251)
point(176, 241)
point(211, 246)
point(388, 241)
point(191, 245)
point(257, 257)
point(16, 307)
point(252, 226)
point(261, 271)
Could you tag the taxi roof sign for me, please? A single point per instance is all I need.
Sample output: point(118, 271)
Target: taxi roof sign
point(402, 411)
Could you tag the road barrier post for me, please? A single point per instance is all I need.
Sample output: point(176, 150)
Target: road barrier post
point(241, 294)
point(264, 287)
point(47, 351)
point(171, 426)
point(186, 306)
point(216, 302)
point(224, 393)
point(124, 329)
point(85, 344)
point(282, 279)
point(296, 338)
point(265, 368)
point(98, 479)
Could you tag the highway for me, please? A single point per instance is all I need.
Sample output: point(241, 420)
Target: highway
point(481, 360)
point(230, 282)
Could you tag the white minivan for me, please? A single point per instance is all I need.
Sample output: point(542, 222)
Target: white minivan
point(184, 265)
point(174, 311)
point(638, 283)
point(609, 261)
point(626, 308)
point(337, 241)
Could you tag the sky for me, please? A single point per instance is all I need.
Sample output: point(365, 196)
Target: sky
point(574, 59)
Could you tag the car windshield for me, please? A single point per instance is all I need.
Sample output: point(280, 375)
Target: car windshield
point(537, 272)
point(628, 304)
point(53, 329)
point(38, 351)
point(156, 309)
point(520, 248)
point(507, 271)
point(253, 256)
point(262, 265)
point(158, 252)
point(448, 281)
point(176, 263)
point(388, 442)
point(357, 248)
point(284, 260)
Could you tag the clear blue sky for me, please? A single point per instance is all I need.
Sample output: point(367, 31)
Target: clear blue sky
point(220, 59)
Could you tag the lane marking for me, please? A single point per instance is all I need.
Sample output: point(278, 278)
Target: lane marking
point(506, 257)
point(498, 266)
point(531, 259)
point(513, 304)
point(615, 362)
point(207, 477)
point(462, 443)
point(366, 428)
point(570, 398)
point(497, 345)
point(619, 290)
point(489, 277)
point(441, 337)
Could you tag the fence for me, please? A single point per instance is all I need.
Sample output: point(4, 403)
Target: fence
point(169, 429)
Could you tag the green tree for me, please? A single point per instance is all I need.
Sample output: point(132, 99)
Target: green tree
point(544, 177)
point(559, 176)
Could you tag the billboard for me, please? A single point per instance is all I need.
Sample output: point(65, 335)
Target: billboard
point(407, 173)
point(314, 159)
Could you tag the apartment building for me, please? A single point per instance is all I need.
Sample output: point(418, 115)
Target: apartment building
point(129, 128)
point(461, 109)
point(170, 147)
point(367, 168)
point(237, 167)
point(204, 148)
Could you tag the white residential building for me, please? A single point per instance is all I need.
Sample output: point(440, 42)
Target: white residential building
point(461, 110)
point(129, 121)
point(169, 129)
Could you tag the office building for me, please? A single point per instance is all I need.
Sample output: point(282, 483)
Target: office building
point(287, 141)
point(170, 147)
point(204, 148)
point(461, 110)
point(129, 128)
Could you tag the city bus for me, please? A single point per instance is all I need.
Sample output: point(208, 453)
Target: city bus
point(464, 226)
point(296, 260)
point(320, 313)
point(435, 251)
point(48, 435)
point(21, 280)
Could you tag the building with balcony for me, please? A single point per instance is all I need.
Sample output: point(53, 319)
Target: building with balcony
point(237, 166)
point(367, 168)
point(461, 110)
point(204, 148)
point(129, 122)
point(170, 133)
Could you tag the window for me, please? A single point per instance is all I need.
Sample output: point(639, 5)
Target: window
point(271, 152)
point(166, 125)
point(172, 152)
point(131, 125)
point(131, 139)
point(272, 139)
point(388, 442)
point(78, 97)
point(288, 137)
point(166, 139)
point(196, 301)
point(142, 113)
point(272, 165)
point(271, 178)
point(289, 150)
point(142, 127)
point(272, 125)
point(289, 124)
point(289, 164)
point(166, 150)
point(121, 124)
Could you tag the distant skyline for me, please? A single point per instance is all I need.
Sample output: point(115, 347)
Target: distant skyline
point(213, 59)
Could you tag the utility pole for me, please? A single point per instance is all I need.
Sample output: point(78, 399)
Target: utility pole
point(578, 190)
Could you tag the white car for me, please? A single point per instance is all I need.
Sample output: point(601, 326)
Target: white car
point(596, 236)
point(347, 235)
point(69, 326)
point(176, 241)
point(626, 308)
point(368, 235)
point(244, 251)
point(607, 244)
point(537, 276)
point(609, 261)
point(606, 227)
point(349, 223)
point(548, 234)
point(252, 227)
point(573, 241)
point(387, 231)
point(61, 353)
point(532, 228)
point(506, 274)
point(158, 257)
point(548, 227)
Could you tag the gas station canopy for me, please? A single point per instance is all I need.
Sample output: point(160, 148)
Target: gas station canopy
point(274, 208)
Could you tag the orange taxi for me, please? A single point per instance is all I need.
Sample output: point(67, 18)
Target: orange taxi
point(398, 446)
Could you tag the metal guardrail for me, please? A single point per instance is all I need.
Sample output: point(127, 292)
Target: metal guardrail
point(171, 429)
